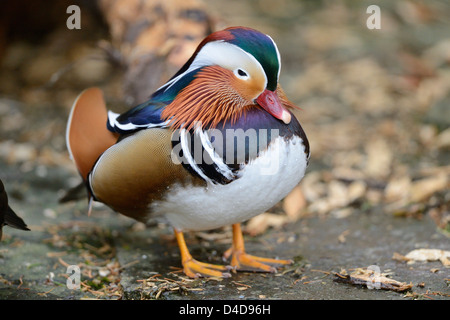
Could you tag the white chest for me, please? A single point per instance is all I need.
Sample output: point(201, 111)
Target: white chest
point(262, 183)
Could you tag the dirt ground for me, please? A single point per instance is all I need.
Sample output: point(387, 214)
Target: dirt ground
point(375, 107)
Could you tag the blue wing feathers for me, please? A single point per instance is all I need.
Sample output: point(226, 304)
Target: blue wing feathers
point(148, 114)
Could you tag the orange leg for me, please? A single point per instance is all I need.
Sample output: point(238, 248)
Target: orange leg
point(240, 259)
point(193, 268)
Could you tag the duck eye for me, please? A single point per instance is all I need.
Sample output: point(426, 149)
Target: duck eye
point(241, 74)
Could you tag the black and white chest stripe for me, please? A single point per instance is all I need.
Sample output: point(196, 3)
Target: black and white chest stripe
point(218, 156)
point(194, 150)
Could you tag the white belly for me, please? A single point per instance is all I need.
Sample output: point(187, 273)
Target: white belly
point(262, 183)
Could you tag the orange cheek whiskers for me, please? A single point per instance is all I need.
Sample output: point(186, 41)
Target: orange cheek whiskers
point(209, 99)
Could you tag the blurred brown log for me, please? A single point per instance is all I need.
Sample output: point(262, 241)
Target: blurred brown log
point(153, 39)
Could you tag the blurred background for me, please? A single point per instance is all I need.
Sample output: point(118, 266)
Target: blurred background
point(375, 103)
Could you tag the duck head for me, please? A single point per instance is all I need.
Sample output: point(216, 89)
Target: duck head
point(231, 71)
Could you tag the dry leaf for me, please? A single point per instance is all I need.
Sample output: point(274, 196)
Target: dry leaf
point(343, 235)
point(214, 236)
point(260, 223)
point(427, 134)
point(397, 189)
point(399, 257)
point(429, 255)
point(429, 171)
point(356, 190)
point(320, 206)
point(371, 279)
point(443, 139)
point(379, 158)
point(337, 194)
point(342, 213)
point(312, 186)
point(294, 203)
point(425, 188)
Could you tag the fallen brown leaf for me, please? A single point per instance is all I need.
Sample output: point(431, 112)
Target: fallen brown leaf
point(443, 139)
point(398, 188)
point(371, 279)
point(429, 255)
point(262, 222)
point(342, 236)
point(399, 257)
point(379, 158)
point(424, 188)
point(294, 203)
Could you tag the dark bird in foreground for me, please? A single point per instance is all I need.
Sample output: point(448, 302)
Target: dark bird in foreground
point(216, 145)
point(7, 216)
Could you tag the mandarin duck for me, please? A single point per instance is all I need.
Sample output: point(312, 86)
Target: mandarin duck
point(7, 216)
point(216, 145)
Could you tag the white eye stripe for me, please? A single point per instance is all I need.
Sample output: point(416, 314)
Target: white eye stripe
point(224, 54)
